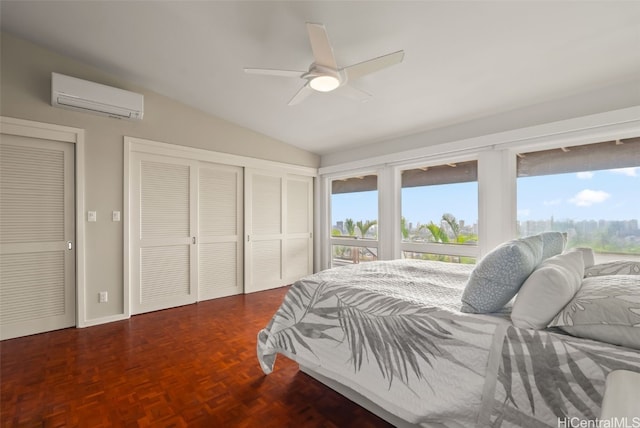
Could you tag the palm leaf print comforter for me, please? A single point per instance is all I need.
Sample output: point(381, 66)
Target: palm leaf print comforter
point(392, 331)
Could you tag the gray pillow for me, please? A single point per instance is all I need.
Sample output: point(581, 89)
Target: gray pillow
point(498, 276)
point(606, 308)
point(619, 267)
point(552, 244)
point(547, 290)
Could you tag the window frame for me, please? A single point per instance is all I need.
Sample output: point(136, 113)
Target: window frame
point(433, 247)
point(327, 220)
point(539, 148)
point(496, 153)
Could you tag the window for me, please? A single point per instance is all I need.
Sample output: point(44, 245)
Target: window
point(440, 212)
point(354, 220)
point(591, 192)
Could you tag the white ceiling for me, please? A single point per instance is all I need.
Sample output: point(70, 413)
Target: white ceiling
point(463, 60)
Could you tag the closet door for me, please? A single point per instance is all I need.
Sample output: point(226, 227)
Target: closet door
point(278, 224)
point(163, 224)
point(298, 239)
point(264, 193)
point(220, 223)
point(37, 236)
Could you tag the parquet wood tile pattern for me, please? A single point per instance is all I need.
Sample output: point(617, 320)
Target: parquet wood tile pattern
point(192, 366)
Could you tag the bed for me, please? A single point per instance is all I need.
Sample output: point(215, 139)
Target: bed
point(391, 335)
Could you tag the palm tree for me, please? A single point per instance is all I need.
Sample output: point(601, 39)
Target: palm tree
point(453, 224)
point(364, 227)
point(403, 228)
point(350, 226)
point(439, 235)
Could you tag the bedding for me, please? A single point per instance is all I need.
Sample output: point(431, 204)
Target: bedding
point(392, 331)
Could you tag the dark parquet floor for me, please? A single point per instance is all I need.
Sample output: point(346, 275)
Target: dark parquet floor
point(192, 366)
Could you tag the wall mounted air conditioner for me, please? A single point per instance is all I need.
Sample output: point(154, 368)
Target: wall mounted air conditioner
point(82, 95)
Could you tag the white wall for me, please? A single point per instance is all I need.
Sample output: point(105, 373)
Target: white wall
point(26, 93)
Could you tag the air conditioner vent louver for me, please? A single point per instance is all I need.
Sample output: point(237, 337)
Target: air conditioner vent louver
point(82, 95)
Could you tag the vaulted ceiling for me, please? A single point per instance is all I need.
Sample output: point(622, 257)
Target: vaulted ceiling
point(463, 60)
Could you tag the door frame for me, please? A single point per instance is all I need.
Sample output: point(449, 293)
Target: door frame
point(49, 131)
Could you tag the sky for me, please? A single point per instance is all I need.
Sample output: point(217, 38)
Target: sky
point(594, 195)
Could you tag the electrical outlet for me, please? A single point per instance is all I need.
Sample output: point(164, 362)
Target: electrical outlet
point(103, 297)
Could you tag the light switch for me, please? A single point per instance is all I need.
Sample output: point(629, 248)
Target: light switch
point(115, 216)
point(92, 216)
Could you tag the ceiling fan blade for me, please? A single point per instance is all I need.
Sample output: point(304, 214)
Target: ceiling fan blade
point(303, 93)
point(322, 51)
point(274, 72)
point(373, 65)
point(354, 93)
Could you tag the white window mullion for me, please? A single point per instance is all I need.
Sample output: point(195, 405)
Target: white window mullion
point(496, 199)
point(389, 184)
point(322, 226)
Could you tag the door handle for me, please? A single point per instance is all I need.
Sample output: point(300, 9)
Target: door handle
point(69, 245)
point(193, 240)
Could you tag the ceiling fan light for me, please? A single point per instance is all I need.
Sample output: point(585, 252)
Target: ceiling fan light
point(324, 83)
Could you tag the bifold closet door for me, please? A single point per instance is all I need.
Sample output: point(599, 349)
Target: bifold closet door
point(163, 231)
point(220, 224)
point(37, 236)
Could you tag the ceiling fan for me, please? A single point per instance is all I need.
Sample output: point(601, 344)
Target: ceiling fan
point(324, 75)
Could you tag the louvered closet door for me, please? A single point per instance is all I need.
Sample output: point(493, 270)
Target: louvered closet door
point(264, 192)
point(298, 242)
point(220, 223)
point(278, 225)
point(163, 203)
point(37, 280)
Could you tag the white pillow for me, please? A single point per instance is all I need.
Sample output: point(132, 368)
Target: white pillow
point(587, 255)
point(547, 290)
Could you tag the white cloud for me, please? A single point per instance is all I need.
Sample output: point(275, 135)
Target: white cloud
point(553, 202)
point(588, 197)
point(629, 172)
point(524, 212)
point(585, 175)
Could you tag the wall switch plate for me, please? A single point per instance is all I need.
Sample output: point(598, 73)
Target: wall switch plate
point(115, 216)
point(103, 297)
point(92, 216)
